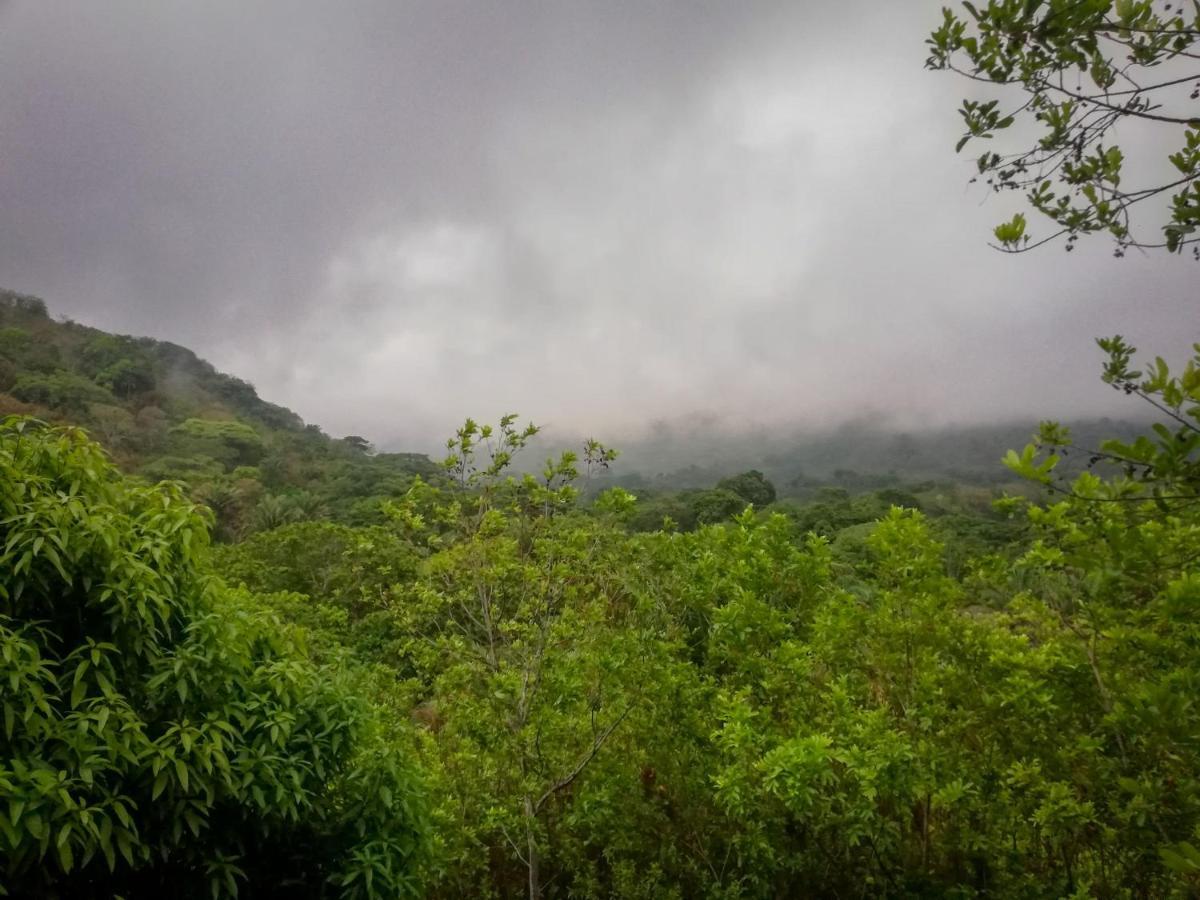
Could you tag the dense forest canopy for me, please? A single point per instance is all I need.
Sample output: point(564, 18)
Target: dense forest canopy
point(496, 678)
point(240, 657)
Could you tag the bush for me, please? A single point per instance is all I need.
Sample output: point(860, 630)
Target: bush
point(62, 391)
point(717, 505)
point(233, 443)
point(22, 304)
point(29, 352)
point(188, 469)
point(752, 486)
point(127, 377)
point(162, 735)
point(354, 568)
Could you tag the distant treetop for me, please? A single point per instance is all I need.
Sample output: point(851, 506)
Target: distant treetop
point(11, 301)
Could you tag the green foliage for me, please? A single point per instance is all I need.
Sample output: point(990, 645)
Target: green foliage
point(127, 377)
point(188, 469)
point(1083, 68)
point(118, 363)
point(539, 664)
point(752, 486)
point(1164, 464)
point(25, 351)
point(166, 414)
point(886, 732)
point(464, 463)
point(62, 391)
point(21, 305)
point(353, 568)
point(162, 734)
point(234, 443)
point(717, 505)
point(872, 687)
point(665, 512)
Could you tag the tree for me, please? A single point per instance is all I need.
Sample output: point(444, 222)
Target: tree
point(63, 391)
point(1107, 586)
point(752, 486)
point(717, 505)
point(1080, 68)
point(353, 568)
point(358, 444)
point(127, 377)
point(533, 652)
point(27, 352)
point(162, 735)
point(118, 363)
point(234, 443)
point(273, 511)
point(22, 305)
point(1165, 466)
point(112, 425)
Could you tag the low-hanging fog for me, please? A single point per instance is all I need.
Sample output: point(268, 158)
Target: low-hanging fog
point(389, 216)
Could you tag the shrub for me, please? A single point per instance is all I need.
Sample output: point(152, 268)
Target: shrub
point(62, 391)
point(163, 735)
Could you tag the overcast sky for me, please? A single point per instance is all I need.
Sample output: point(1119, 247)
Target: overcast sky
point(388, 215)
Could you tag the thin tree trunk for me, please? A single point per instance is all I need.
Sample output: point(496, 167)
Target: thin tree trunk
point(925, 810)
point(531, 851)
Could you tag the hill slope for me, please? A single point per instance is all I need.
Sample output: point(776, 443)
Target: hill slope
point(164, 413)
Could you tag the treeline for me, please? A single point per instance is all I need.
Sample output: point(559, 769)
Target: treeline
point(164, 414)
point(857, 456)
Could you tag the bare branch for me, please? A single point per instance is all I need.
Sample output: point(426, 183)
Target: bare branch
point(567, 780)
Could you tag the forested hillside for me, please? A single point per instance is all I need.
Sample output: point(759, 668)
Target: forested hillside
point(857, 456)
point(164, 413)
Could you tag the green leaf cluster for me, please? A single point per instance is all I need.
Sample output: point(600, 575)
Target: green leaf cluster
point(162, 733)
point(1080, 70)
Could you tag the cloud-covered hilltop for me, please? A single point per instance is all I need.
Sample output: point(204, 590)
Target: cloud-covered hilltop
point(599, 215)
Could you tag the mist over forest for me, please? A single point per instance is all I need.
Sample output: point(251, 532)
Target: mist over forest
point(698, 451)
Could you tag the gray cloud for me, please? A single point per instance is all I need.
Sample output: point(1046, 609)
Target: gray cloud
point(391, 215)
